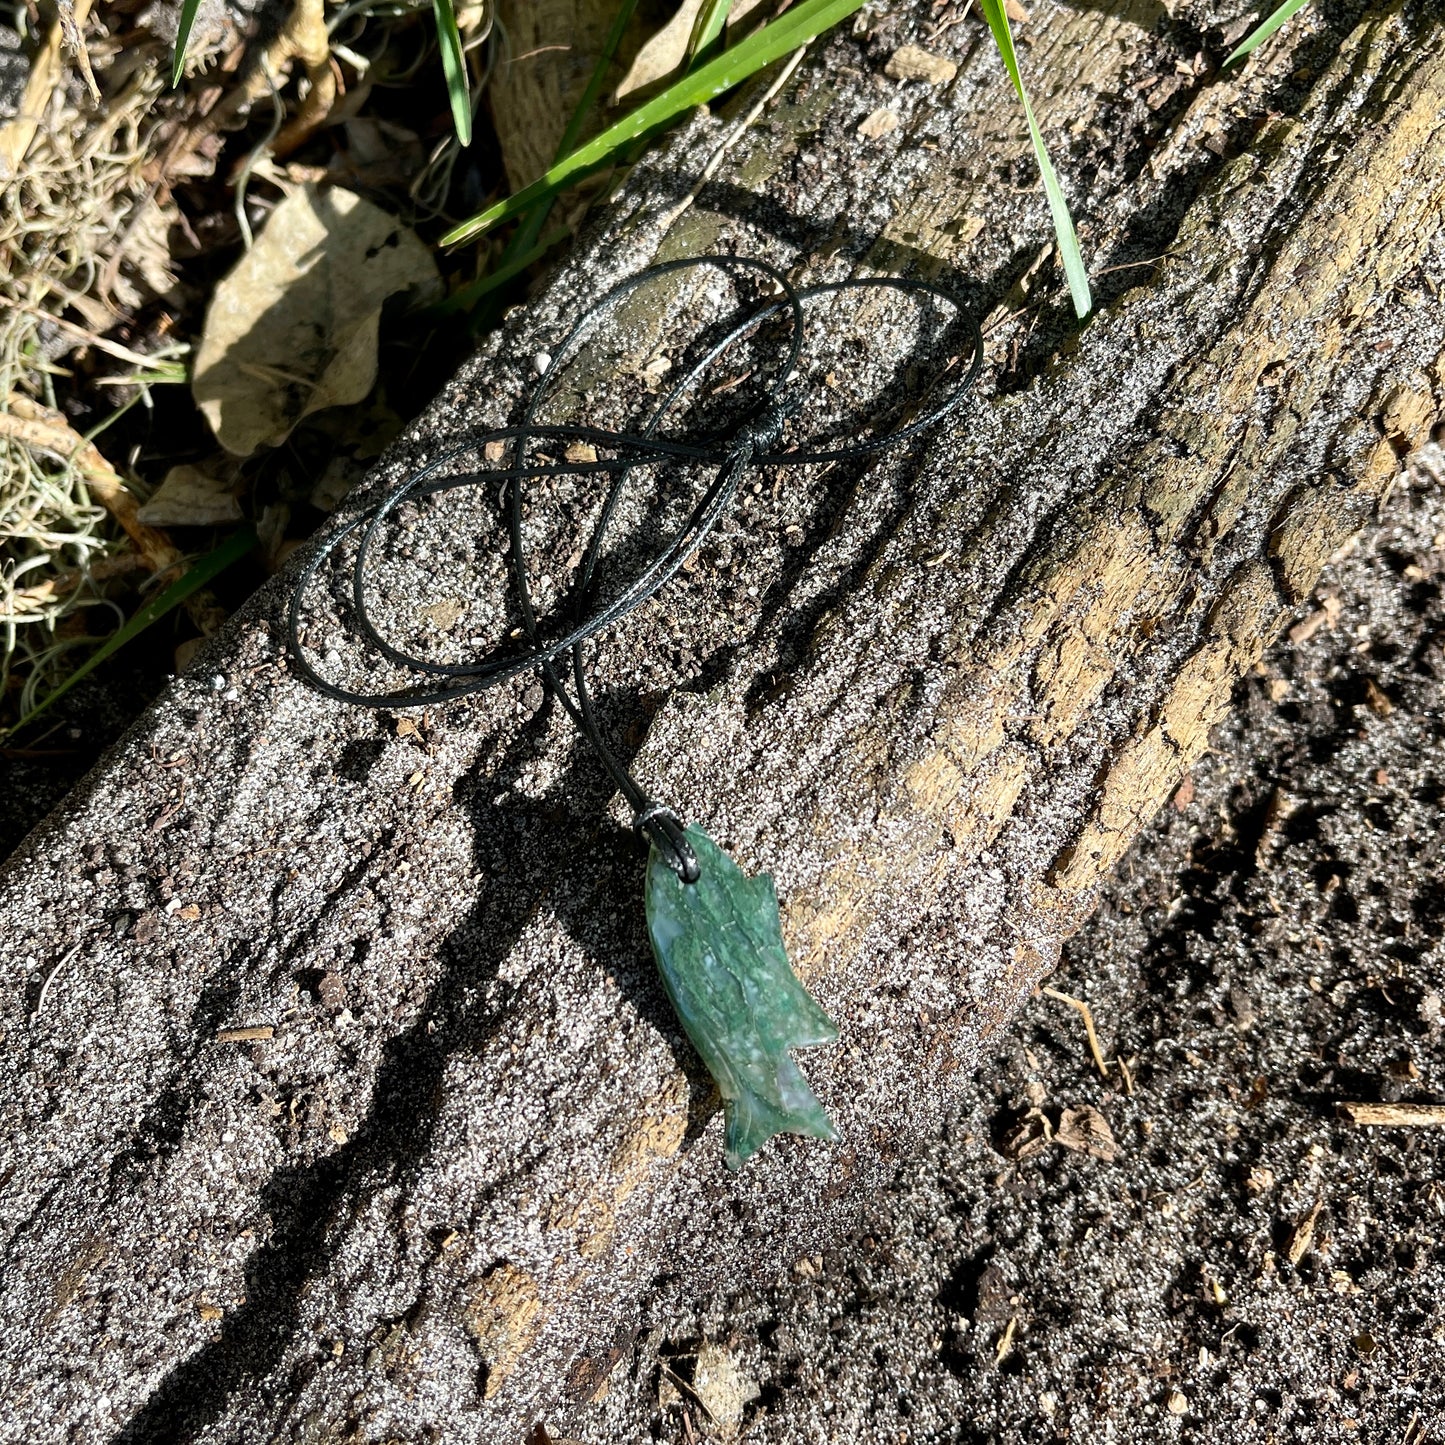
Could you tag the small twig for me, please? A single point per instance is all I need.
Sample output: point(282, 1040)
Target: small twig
point(1302, 1235)
point(537, 50)
point(50, 979)
point(252, 1034)
point(1133, 265)
point(1083, 1008)
point(682, 1385)
point(92, 338)
point(1399, 1116)
point(71, 16)
point(948, 24)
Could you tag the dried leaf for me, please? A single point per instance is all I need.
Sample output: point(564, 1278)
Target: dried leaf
point(1030, 1136)
point(664, 52)
point(294, 327)
point(190, 498)
point(1086, 1131)
point(142, 267)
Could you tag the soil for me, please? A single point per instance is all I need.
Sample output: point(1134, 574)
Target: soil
point(1248, 1267)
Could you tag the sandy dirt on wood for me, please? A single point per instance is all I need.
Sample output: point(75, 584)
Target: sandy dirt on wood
point(1248, 1266)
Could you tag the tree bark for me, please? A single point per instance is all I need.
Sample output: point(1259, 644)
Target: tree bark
point(427, 1193)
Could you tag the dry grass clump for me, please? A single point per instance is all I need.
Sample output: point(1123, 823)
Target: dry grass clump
point(68, 205)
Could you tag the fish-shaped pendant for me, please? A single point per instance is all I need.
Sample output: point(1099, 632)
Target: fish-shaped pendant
point(719, 947)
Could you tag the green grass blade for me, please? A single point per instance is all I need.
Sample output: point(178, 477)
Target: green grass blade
point(465, 297)
point(795, 27)
point(1265, 30)
point(706, 29)
point(454, 64)
point(183, 36)
point(211, 565)
point(598, 78)
point(1078, 277)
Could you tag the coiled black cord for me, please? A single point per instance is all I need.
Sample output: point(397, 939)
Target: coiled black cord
point(757, 441)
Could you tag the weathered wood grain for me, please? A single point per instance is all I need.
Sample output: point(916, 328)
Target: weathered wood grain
point(935, 698)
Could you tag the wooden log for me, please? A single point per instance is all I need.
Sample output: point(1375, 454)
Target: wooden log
point(936, 698)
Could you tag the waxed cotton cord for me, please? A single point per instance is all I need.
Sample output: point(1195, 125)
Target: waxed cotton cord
point(756, 441)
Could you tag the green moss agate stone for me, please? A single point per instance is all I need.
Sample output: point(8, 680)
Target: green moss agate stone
point(719, 947)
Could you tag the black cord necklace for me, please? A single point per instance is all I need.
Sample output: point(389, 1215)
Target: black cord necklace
point(715, 932)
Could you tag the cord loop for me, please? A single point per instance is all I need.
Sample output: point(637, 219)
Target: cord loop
point(758, 440)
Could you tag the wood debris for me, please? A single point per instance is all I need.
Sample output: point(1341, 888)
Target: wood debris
point(1398, 1116)
point(1327, 614)
point(251, 1034)
point(1302, 1236)
point(913, 62)
point(878, 124)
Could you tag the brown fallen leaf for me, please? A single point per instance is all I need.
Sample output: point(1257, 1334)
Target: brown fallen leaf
point(664, 53)
point(1030, 1136)
point(189, 498)
point(1086, 1131)
point(294, 327)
